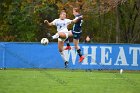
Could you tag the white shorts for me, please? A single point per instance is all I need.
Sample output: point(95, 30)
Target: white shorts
point(67, 35)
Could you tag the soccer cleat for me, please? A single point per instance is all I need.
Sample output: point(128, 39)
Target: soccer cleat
point(66, 64)
point(68, 48)
point(49, 36)
point(81, 58)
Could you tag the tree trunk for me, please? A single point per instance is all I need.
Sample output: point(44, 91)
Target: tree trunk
point(117, 26)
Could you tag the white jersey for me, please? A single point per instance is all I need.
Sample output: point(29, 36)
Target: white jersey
point(62, 24)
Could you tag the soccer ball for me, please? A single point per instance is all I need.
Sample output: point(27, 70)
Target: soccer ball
point(44, 41)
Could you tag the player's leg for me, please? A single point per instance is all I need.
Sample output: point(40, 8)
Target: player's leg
point(76, 44)
point(68, 47)
point(76, 37)
point(56, 36)
point(62, 34)
point(60, 47)
point(65, 34)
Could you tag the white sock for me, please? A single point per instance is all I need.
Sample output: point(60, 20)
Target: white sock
point(55, 36)
point(67, 35)
point(63, 56)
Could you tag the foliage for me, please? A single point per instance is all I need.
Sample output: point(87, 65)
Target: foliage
point(105, 21)
point(22, 20)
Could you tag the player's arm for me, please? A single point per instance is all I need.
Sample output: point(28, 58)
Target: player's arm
point(50, 24)
point(76, 19)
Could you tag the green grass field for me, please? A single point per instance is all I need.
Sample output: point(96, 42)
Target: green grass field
point(68, 81)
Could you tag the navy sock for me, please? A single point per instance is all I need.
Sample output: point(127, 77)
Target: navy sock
point(68, 44)
point(79, 52)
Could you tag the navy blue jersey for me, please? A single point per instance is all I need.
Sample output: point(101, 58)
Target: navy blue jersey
point(77, 27)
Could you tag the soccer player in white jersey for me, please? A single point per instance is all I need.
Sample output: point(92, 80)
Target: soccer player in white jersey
point(62, 31)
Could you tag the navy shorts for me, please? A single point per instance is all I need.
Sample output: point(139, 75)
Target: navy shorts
point(76, 35)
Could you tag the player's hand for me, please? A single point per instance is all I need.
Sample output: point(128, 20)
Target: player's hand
point(46, 21)
point(87, 38)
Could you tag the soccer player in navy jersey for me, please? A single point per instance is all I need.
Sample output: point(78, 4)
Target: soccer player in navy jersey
point(76, 31)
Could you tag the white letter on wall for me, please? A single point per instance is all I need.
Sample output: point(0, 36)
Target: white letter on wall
point(105, 55)
point(121, 57)
point(87, 55)
point(134, 50)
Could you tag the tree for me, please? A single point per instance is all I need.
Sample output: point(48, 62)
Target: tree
point(105, 21)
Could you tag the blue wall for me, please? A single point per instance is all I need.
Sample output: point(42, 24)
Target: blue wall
point(97, 56)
